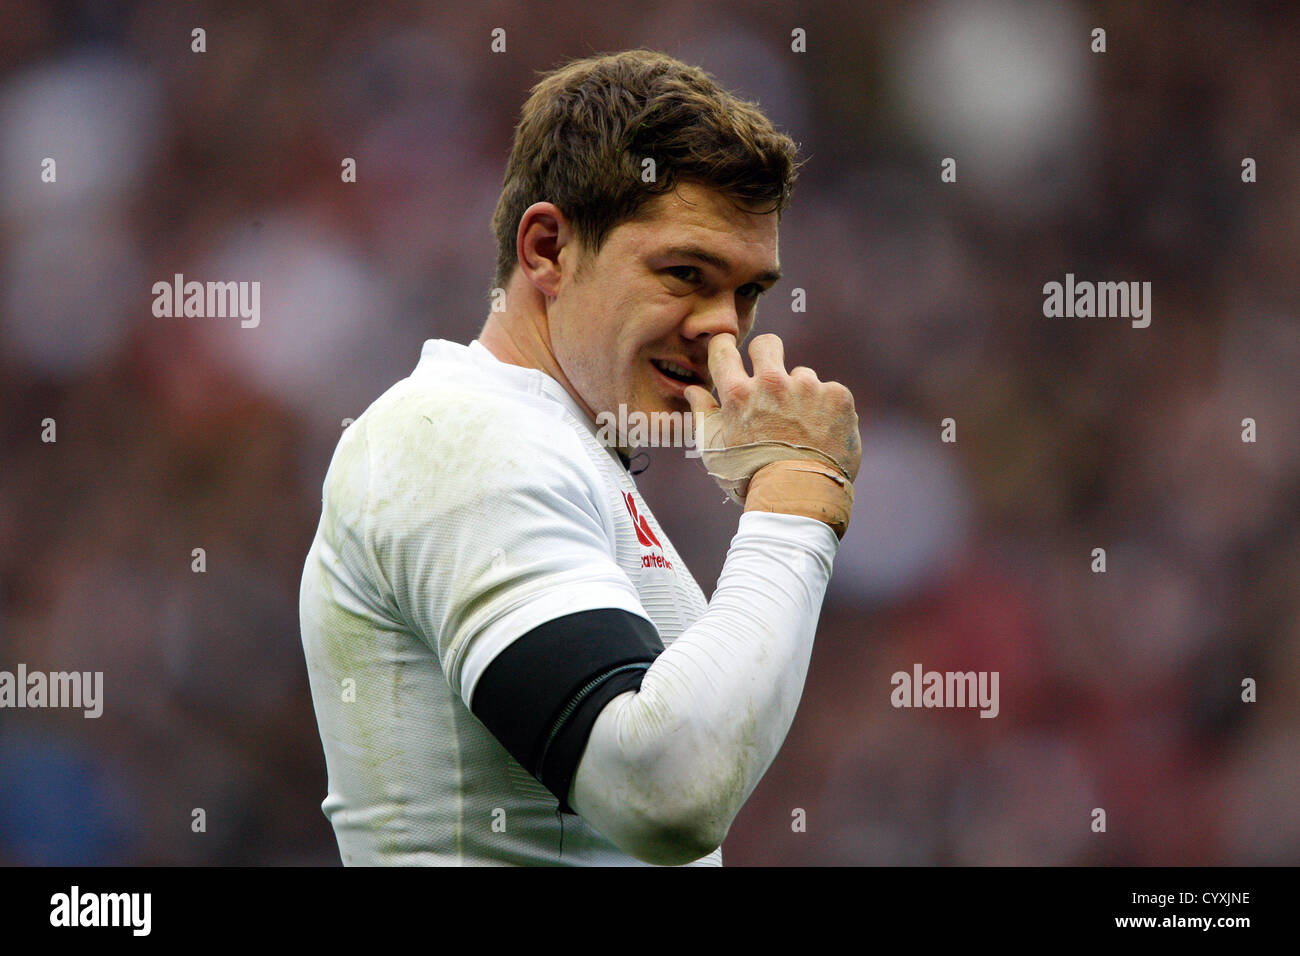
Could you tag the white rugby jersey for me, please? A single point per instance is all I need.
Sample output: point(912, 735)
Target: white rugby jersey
point(469, 504)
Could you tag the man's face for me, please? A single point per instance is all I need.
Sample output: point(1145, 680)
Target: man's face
point(632, 326)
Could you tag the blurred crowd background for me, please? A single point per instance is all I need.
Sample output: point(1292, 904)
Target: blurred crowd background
point(1119, 691)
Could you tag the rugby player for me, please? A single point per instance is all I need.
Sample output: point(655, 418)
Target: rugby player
point(509, 661)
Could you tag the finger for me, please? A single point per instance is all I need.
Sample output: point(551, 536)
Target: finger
point(802, 373)
point(701, 400)
point(767, 352)
point(725, 365)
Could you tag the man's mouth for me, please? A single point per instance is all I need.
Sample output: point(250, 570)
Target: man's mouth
point(678, 372)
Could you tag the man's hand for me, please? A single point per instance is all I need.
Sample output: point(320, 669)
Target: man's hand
point(775, 405)
point(780, 441)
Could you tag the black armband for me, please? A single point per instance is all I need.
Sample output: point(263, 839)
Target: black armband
point(542, 694)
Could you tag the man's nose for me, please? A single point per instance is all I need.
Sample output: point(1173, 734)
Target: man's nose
point(714, 317)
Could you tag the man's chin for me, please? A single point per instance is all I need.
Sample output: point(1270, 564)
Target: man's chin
point(655, 409)
point(664, 403)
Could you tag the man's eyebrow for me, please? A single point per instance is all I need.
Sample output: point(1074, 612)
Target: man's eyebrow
point(717, 261)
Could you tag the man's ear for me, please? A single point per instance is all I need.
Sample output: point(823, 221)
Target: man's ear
point(543, 232)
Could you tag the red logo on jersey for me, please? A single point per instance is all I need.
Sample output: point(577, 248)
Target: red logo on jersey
point(645, 535)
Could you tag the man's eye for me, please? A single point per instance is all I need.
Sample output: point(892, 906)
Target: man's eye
point(751, 291)
point(685, 273)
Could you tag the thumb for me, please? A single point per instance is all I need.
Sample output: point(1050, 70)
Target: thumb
point(707, 414)
point(701, 400)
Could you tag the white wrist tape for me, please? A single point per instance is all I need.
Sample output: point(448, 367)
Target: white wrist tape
point(732, 466)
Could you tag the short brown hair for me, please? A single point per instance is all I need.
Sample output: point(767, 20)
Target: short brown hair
point(587, 126)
